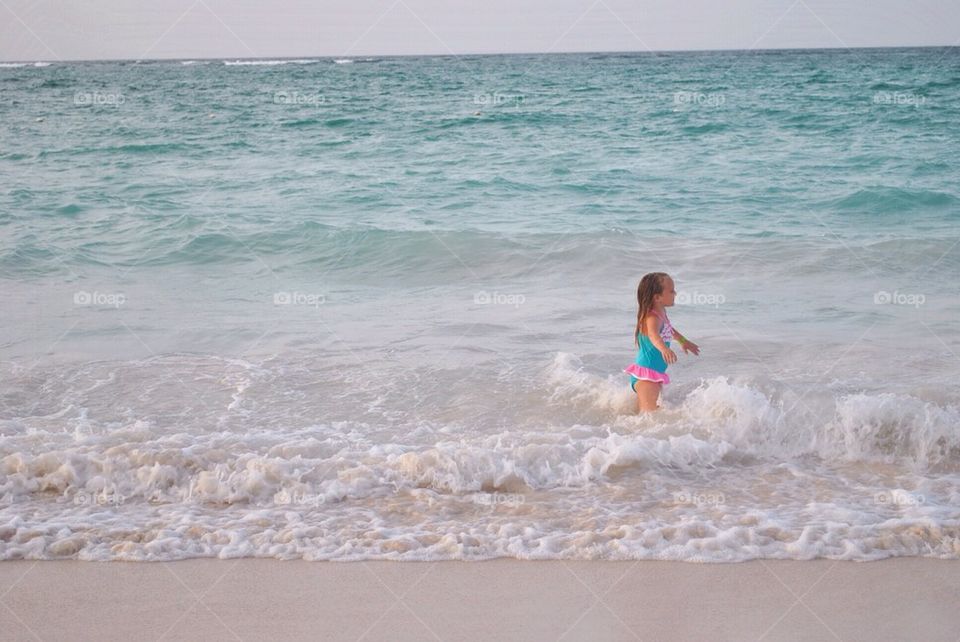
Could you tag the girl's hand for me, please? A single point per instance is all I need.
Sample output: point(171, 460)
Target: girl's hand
point(690, 346)
point(669, 356)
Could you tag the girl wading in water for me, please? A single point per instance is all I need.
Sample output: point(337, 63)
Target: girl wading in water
point(653, 335)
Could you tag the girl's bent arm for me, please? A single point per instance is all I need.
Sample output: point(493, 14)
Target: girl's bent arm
point(650, 329)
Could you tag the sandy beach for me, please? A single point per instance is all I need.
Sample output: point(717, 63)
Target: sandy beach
point(898, 599)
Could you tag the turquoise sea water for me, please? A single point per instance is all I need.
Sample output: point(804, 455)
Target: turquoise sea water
point(380, 307)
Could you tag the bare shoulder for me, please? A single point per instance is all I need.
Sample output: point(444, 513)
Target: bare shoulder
point(650, 324)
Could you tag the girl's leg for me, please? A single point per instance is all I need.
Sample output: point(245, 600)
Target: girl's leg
point(647, 394)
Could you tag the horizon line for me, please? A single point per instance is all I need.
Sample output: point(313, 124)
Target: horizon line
point(482, 54)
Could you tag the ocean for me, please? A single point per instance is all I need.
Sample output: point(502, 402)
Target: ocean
point(379, 308)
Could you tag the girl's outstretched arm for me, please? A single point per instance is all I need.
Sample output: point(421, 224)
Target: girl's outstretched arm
point(686, 344)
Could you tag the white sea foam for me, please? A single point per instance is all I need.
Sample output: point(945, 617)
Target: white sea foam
point(302, 61)
point(15, 65)
point(729, 471)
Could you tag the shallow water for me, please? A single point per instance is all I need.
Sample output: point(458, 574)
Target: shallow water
point(381, 309)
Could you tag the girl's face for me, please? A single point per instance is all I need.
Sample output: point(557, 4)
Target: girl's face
point(668, 295)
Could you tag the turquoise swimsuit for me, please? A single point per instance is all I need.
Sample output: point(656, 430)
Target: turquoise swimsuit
point(649, 364)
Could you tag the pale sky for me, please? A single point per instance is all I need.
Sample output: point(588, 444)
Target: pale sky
point(142, 29)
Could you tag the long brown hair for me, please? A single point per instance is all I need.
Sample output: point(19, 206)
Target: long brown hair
point(650, 285)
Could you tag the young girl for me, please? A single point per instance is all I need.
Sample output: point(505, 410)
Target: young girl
point(653, 335)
